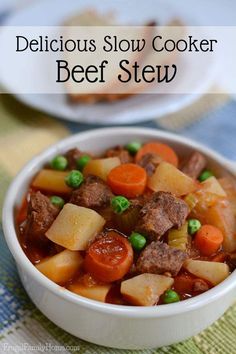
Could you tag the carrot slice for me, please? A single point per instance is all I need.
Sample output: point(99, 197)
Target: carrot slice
point(208, 239)
point(128, 180)
point(109, 258)
point(163, 150)
point(183, 284)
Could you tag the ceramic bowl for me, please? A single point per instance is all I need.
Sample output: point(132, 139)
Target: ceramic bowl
point(127, 327)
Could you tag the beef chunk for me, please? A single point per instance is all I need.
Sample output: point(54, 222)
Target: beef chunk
point(72, 156)
point(160, 214)
point(94, 193)
point(123, 154)
point(41, 214)
point(159, 258)
point(194, 165)
point(140, 201)
point(191, 250)
point(150, 162)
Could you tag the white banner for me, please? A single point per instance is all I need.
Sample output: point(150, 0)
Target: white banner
point(114, 59)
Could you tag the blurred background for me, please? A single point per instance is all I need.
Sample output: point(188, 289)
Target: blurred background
point(209, 12)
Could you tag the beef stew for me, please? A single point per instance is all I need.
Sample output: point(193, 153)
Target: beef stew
point(138, 225)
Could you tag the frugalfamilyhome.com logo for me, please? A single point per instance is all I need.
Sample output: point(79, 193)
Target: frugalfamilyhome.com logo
point(40, 347)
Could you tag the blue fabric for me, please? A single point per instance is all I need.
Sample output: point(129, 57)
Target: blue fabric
point(12, 294)
point(216, 129)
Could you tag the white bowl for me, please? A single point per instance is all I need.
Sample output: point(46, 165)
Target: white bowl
point(127, 327)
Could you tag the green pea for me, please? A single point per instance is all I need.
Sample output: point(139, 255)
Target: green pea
point(57, 201)
point(170, 296)
point(74, 179)
point(205, 175)
point(59, 163)
point(193, 226)
point(82, 162)
point(133, 147)
point(119, 204)
point(137, 241)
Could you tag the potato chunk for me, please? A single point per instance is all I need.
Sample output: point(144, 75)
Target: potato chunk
point(168, 178)
point(229, 185)
point(61, 267)
point(95, 292)
point(221, 215)
point(51, 181)
point(212, 185)
point(214, 272)
point(145, 289)
point(75, 227)
point(101, 167)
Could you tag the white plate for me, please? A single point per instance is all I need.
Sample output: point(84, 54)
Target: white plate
point(135, 109)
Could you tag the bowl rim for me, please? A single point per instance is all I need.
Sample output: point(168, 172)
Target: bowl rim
point(8, 223)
